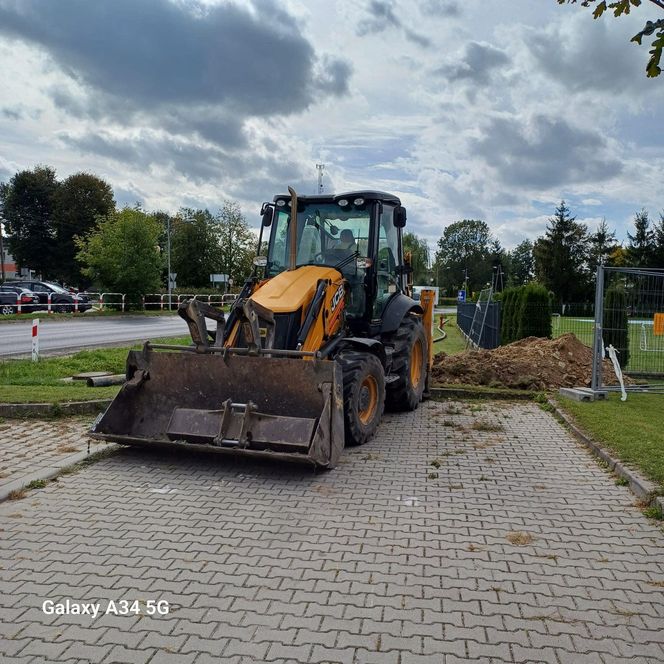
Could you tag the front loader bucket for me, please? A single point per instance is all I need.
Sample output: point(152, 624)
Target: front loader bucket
point(276, 407)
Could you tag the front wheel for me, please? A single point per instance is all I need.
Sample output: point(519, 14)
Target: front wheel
point(364, 395)
point(6, 310)
point(409, 364)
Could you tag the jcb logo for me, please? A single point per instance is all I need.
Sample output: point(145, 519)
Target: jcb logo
point(336, 298)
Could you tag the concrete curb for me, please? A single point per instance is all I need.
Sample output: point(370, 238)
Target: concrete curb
point(642, 488)
point(21, 410)
point(44, 473)
point(479, 394)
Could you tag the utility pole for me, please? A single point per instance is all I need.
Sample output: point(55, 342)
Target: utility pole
point(168, 249)
point(320, 168)
point(2, 253)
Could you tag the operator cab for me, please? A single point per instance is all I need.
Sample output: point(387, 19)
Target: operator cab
point(354, 232)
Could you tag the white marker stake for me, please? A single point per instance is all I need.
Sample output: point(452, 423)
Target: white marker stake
point(35, 339)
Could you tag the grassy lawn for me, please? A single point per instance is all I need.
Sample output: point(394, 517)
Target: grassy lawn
point(24, 381)
point(454, 342)
point(631, 429)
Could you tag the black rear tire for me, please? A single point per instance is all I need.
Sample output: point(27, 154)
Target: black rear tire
point(409, 363)
point(364, 395)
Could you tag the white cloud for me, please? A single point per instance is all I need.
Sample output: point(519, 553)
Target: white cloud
point(465, 110)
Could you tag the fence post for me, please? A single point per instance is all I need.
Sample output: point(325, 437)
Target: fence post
point(48, 301)
point(101, 302)
point(123, 302)
point(75, 304)
point(598, 345)
point(18, 303)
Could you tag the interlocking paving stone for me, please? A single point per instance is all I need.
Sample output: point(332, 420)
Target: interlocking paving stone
point(518, 547)
point(31, 449)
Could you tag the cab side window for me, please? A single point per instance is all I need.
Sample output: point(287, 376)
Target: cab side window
point(386, 260)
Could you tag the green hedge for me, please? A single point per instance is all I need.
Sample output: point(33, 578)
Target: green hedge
point(534, 312)
point(615, 327)
point(525, 312)
point(509, 311)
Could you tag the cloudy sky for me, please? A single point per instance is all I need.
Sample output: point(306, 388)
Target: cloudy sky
point(465, 108)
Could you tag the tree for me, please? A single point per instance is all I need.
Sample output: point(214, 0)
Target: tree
point(121, 253)
point(509, 305)
point(640, 249)
point(618, 257)
point(658, 249)
point(463, 250)
point(238, 243)
point(560, 257)
point(419, 250)
point(28, 202)
point(521, 266)
point(602, 243)
point(195, 253)
point(623, 8)
point(498, 259)
point(79, 200)
point(534, 313)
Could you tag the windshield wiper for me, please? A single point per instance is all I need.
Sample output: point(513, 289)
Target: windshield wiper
point(351, 257)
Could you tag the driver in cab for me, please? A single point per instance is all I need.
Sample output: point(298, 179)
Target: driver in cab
point(346, 243)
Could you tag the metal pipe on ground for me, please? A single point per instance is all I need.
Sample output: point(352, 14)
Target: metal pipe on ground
point(105, 381)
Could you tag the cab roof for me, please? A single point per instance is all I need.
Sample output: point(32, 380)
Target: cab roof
point(367, 194)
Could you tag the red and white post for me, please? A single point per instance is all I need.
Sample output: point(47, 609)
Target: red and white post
point(35, 339)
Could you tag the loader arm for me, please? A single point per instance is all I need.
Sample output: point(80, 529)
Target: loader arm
point(239, 393)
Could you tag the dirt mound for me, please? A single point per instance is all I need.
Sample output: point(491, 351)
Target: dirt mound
point(529, 364)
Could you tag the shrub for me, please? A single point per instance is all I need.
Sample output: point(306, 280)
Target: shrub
point(615, 328)
point(534, 312)
point(507, 315)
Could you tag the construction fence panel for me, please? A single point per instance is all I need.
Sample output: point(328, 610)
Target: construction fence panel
point(630, 316)
point(480, 323)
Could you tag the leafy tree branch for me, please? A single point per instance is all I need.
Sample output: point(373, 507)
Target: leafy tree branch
point(623, 8)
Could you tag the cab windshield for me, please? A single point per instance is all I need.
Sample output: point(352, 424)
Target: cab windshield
point(327, 234)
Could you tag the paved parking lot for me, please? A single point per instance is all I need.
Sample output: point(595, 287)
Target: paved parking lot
point(33, 448)
point(514, 546)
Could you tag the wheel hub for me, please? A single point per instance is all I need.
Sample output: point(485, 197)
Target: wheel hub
point(364, 398)
point(367, 401)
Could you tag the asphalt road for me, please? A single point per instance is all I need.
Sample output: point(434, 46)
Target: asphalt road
point(63, 336)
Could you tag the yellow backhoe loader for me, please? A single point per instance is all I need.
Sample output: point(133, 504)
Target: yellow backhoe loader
point(323, 336)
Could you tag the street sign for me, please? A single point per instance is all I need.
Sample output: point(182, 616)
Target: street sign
point(461, 296)
point(172, 281)
point(218, 278)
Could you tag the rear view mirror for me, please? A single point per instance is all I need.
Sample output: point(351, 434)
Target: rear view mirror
point(400, 216)
point(267, 211)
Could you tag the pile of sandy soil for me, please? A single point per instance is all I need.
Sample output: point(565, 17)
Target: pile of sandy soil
point(533, 363)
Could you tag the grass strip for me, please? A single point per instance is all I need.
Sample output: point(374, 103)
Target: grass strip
point(631, 429)
point(454, 342)
point(24, 381)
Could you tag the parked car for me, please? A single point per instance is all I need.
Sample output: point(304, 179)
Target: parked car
point(29, 300)
point(61, 299)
